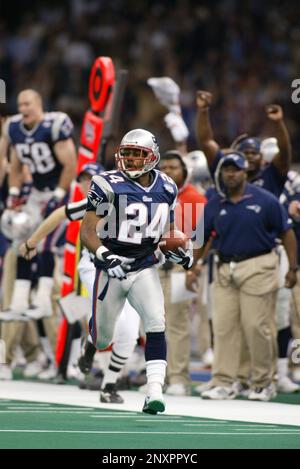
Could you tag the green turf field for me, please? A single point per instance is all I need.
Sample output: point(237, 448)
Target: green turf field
point(41, 425)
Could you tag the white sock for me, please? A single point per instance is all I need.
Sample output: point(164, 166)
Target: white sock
point(43, 294)
point(115, 366)
point(20, 298)
point(109, 377)
point(282, 367)
point(47, 348)
point(155, 372)
point(75, 351)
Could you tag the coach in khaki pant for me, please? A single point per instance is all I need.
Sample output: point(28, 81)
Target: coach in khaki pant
point(177, 332)
point(246, 221)
point(16, 332)
point(246, 291)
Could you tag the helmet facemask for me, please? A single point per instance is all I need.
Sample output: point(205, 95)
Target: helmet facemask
point(134, 160)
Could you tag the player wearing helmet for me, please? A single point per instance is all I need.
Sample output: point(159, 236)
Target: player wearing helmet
point(127, 213)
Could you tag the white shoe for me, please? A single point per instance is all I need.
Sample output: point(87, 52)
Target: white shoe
point(73, 372)
point(296, 374)
point(286, 385)
point(204, 387)
point(49, 373)
point(208, 357)
point(219, 393)
point(154, 403)
point(262, 394)
point(32, 369)
point(6, 373)
point(177, 389)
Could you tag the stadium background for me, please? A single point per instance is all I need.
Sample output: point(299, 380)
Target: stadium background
point(246, 53)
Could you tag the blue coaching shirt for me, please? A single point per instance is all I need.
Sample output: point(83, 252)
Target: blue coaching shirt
point(136, 216)
point(35, 147)
point(267, 178)
point(248, 227)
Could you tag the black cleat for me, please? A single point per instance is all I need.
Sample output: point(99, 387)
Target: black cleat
point(109, 394)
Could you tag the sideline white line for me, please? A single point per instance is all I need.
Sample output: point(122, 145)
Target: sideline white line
point(42, 411)
point(234, 425)
point(88, 409)
point(177, 421)
point(12, 402)
point(142, 419)
point(106, 413)
point(149, 433)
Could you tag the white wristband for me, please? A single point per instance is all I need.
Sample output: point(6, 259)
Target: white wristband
point(14, 191)
point(101, 250)
point(59, 193)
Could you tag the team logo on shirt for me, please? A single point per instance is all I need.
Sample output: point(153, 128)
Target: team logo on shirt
point(223, 212)
point(94, 197)
point(255, 208)
point(259, 182)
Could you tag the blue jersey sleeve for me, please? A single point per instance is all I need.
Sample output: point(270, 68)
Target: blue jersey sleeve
point(95, 197)
point(100, 198)
point(277, 217)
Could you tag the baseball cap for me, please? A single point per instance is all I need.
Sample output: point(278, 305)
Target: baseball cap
point(253, 143)
point(236, 158)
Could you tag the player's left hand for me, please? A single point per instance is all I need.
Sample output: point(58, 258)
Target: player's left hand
point(274, 112)
point(184, 257)
point(290, 279)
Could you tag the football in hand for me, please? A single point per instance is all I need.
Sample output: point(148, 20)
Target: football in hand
point(172, 240)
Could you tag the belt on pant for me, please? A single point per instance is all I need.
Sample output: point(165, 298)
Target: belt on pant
point(227, 259)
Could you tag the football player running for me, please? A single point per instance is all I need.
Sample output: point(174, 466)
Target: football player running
point(128, 211)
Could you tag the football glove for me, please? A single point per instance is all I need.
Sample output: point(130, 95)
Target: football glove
point(184, 257)
point(55, 201)
point(116, 266)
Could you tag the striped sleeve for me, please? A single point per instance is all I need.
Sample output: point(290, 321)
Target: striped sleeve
point(75, 210)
